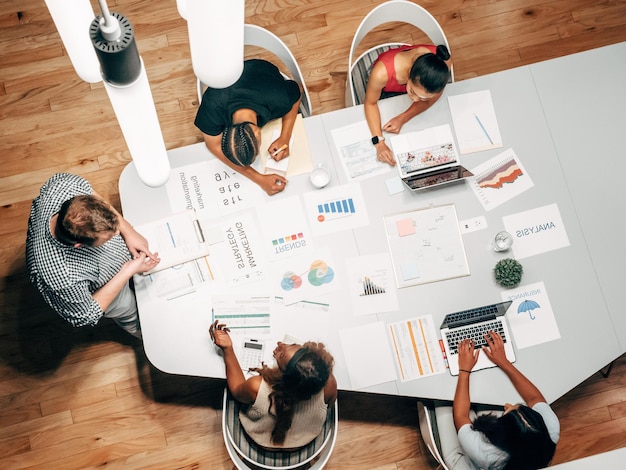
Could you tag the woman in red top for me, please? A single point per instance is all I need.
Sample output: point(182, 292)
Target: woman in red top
point(421, 71)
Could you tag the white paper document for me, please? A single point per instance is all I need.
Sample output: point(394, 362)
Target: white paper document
point(285, 236)
point(474, 120)
point(499, 179)
point(536, 231)
point(426, 245)
point(336, 208)
point(530, 316)
point(177, 238)
point(357, 153)
point(367, 355)
point(299, 160)
point(416, 348)
point(243, 314)
point(371, 283)
point(304, 277)
point(279, 167)
point(177, 281)
point(237, 252)
point(212, 189)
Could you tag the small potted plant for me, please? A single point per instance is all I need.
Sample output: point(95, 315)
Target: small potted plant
point(508, 272)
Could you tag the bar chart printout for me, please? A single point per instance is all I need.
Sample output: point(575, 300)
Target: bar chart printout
point(335, 209)
point(371, 286)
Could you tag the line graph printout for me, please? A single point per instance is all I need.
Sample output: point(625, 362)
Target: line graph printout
point(416, 348)
point(499, 179)
point(371, 284)
point(426, 245)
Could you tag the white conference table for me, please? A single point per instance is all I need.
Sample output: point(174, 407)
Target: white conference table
point(175, 337)
point(584, 102)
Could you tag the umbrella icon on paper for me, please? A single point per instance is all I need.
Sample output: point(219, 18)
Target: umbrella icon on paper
point(528, 306)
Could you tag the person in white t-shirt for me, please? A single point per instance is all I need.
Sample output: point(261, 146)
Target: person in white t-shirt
point(524, 436)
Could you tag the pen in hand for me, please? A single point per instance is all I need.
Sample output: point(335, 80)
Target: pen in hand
point(277, 151)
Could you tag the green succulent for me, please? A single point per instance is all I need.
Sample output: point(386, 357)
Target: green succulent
point(508, 272)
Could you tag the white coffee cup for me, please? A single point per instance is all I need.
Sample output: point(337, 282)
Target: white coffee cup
point(320, 176)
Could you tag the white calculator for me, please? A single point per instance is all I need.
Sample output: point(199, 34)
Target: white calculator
point(251, 354)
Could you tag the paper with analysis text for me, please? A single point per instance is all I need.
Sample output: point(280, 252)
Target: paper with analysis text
point(536, 231)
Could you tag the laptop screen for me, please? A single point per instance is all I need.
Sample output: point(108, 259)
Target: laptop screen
point(420, 159)
point(425, 150)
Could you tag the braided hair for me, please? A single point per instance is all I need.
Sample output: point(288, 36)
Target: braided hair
point(431, 71)
point(239, 144)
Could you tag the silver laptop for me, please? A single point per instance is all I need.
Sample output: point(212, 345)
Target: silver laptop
point(474, 324)
point(428, 158)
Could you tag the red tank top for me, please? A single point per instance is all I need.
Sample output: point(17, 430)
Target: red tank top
point(388, 59)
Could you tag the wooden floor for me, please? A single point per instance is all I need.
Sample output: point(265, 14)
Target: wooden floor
point(89, 398)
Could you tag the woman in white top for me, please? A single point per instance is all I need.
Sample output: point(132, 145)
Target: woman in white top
point(286, 404)
point(523, 437)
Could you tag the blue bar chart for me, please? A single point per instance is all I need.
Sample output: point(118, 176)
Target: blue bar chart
point(335, 209)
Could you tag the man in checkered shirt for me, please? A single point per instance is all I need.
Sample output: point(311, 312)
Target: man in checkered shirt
point(81, 254)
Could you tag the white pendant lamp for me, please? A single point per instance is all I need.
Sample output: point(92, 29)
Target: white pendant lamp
point(215, 39)
point(126, 83)
point(72, 20)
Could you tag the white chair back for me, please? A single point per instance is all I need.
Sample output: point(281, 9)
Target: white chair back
point(395, 10)
point(247, 456)
point(428, 430)
point(257, 36)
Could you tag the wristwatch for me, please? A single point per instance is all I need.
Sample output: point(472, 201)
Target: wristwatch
point(377, 139)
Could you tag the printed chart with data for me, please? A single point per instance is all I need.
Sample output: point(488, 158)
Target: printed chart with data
point(304, 277)
point(335, 209)
point(500, 179)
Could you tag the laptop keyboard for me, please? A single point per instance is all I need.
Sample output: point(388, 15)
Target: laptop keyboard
point(471, 313)
point(475, 333)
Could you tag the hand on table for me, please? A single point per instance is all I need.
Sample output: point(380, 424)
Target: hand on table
point(142, 263)
point(280, 148)
point(384, 153)
point(219, 335)
point(495, 349)
point(468, 356)
point(138, 244)
point(272, 183)
point(394, 125)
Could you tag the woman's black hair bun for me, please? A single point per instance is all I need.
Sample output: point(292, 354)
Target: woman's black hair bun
point(442, 52)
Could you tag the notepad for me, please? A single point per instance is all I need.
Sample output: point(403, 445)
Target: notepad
point(177, 238)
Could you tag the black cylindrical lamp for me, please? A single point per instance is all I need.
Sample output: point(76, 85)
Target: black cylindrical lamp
point(117, 51)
